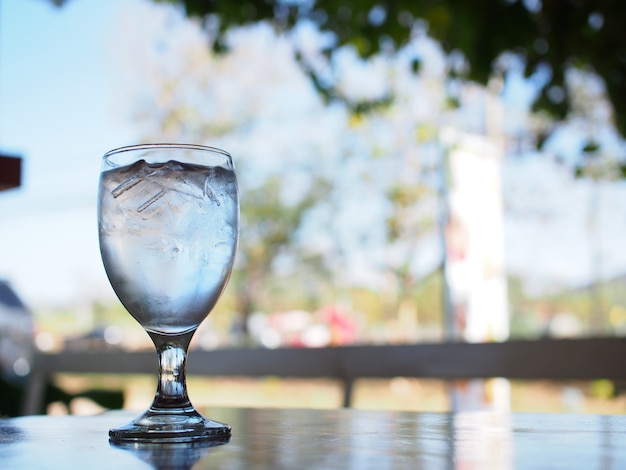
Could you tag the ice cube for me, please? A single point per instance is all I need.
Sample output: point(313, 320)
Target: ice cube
point(151, 201)
point(208, 192)
point(126, 185)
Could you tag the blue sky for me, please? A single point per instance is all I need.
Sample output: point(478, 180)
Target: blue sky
point(55, 87)
point(58, 111)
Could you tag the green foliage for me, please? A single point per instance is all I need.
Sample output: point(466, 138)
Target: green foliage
point(591, 306)
point(556, 34)
point(404, 198)
point(604, 389)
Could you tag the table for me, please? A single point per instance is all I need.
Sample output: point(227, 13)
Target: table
point(330, 439)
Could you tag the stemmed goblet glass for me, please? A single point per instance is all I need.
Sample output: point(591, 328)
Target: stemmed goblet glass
point(168, 218)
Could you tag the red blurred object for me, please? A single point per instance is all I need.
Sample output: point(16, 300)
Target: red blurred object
point(343, 329)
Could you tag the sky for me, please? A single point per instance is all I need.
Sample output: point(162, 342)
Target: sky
point(64, 103)
point(58, 112)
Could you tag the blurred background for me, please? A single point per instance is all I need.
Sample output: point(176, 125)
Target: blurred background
point(405, 177)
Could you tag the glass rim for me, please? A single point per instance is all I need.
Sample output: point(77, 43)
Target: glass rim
point(165, 145)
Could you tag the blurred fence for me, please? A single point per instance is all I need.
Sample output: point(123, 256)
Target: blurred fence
point(570, 359)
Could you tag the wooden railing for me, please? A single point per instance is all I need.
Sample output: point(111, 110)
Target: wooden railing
point(572, 359)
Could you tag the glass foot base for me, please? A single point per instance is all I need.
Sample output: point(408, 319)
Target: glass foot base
point(170, 427)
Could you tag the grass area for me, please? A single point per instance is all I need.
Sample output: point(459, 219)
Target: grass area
point(395, 394)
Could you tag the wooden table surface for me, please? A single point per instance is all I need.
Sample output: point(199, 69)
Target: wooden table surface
point(330, 439)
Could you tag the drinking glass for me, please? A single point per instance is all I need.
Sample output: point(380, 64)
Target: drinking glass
point(168, 218)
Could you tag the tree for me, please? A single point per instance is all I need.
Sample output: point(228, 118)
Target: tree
point(271, 227)
point(553, 34)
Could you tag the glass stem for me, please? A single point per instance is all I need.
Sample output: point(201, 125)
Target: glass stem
point(172, 387)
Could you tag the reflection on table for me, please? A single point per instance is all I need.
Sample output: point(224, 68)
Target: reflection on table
point(342, 439)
